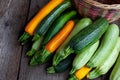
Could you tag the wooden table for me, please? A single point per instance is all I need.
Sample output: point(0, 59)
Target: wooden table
point(14, 15)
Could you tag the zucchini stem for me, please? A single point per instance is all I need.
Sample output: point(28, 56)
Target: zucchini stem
point(45, 54)
point(72, 70)
point(31, 52)
point(36, 37)
point(36, 59)
point(51, 70)
point(36, 46)
point(62, 55)
point(24, 38)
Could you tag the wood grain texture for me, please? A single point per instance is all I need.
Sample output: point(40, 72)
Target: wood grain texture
point(11, 23)
point(4, 4)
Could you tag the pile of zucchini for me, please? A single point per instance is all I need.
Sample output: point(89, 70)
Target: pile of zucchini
point(89, 48)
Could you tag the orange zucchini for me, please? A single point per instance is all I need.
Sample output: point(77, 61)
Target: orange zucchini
point(59, 38)
point(80, 74)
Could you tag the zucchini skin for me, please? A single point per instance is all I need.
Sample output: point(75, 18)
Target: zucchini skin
point(62, 66)
point(59, 56)
point(89, 35)
point(50, 18)
point(115, 74)
point(107, 64)
point(83, 57)
point(107, 45)
point(58, 24)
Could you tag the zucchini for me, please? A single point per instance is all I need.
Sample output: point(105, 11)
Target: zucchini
point(107, 64)
point(107, 45)
point(115, 74)
point(45, 24)
point(47, 21)
point(85, 38)
point(58, 24)
point(89, 35)
point(62, 66)
point(83, 57)
point(79, 26)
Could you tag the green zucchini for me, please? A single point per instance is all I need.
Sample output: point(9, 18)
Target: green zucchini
point(85, 38)
point(107, 45)
point(45, 24)
point(83, 57)
point(115, 74)
point(89, 35)
point(47, 21)
point(62, 66)
point(82, 23)
point(58, 24)
point(107, 64)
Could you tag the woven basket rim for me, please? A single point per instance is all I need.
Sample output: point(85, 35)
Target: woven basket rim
point(104, 6)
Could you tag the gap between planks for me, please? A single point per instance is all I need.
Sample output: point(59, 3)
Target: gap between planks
point(23, 46)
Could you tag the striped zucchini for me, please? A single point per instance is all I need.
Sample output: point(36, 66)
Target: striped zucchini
point(79, 26)
point(107, 45)
point(107, 64)
point(83, 57)
point(89, 35)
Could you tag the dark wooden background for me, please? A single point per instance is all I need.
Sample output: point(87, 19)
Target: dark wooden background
point(14, 15)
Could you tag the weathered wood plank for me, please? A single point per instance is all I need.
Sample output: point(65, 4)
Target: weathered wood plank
point(4, 4)
point(11, 23)
point(38, 72)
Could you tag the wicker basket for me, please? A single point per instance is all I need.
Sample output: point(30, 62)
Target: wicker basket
point(94, 9)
